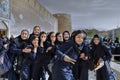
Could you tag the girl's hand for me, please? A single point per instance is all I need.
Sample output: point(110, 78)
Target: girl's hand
point(85, 58)
point(68, 59)
point(26, 50)
point(82, 55)
point(5, 46)
point(49, 48)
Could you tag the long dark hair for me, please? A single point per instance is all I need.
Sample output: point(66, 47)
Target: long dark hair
point(64, 34)
point(34, 28)
point(41, 33)
point(49, 35)
point(76, 46)
point(57, 41)
point(31, 39)
point(96, 36)
point(75, 33)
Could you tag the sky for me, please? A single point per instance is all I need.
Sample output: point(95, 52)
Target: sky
point(87, 14)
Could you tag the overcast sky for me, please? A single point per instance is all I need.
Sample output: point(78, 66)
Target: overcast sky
point(99, 14)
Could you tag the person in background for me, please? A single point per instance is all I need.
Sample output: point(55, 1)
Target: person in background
point(66, 35)
point(36, 31)
point(99, 51)
point(117, 40)
point(38, 68)
point(11, 37)
point(105, 39)
point(117, 51)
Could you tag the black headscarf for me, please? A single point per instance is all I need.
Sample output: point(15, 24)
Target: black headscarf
point(97, 51)
point(22, 43)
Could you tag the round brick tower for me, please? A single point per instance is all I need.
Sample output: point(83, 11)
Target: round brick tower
point(64, 22)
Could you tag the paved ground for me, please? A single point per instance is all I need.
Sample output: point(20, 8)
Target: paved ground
point(118, 74)
point(92, 74)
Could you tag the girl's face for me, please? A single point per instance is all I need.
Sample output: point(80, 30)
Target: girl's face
point(36, 30)
point(66, 36)
point(35, 41)
point(96, 41)
point(79, 38)
point(43, 37)
point(52, 37)
point(60, 38)
point(24, 35)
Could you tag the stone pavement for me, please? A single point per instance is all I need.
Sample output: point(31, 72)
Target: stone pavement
point(92, 75)
point(117, 74)
point(116, 67)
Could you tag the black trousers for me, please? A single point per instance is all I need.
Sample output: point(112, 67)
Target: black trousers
point(38, 72)
point(80, 70)
point(102, 74)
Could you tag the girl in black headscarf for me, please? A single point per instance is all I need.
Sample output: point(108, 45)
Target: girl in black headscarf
point(39, 71)
point(50, 52)
point(66, 57)
point(99, 51)
point(80, 69)
point(59, 39)
point(66, 35)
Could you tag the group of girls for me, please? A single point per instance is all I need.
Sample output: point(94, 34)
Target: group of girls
point(68, 54)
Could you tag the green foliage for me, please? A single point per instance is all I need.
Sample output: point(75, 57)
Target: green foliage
point(91, 32)
point(119, 35)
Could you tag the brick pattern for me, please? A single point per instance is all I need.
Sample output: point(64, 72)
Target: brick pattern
point(28, 13)
point(64, 22)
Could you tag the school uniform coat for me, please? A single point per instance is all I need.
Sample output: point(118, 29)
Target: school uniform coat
point(28, 60)
point(63, 70)
point(97, 52)
point(38, 64)
point(80, 69)
point(17, 55)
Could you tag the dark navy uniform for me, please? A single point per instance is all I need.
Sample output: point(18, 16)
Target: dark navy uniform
point(38, 65)
point(97, 52)
point(80, 69)
point(16, 50)
point(63, 70)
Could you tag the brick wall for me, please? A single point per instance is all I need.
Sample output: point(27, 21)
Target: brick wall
point(25, 14)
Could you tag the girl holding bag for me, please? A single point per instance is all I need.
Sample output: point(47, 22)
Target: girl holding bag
point(99, 52)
